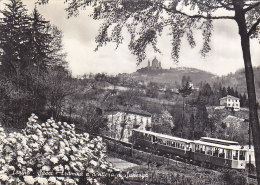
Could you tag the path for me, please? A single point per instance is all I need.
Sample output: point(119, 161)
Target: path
point(120, 164)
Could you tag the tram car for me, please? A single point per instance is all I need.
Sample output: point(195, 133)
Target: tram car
point(207, 151)
point(161, 143)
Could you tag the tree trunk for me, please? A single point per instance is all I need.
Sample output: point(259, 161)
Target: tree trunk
point(253, 113)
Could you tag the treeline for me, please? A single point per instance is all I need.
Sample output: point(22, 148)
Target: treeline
point(211, 96)
point(33, 67)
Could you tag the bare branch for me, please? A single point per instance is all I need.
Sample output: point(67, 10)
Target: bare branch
point(253, 28)
point(225, 6)
point(196, 16)
point(251, 7)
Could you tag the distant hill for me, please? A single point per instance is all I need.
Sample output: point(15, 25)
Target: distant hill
point(172, 76)
point(238, 81)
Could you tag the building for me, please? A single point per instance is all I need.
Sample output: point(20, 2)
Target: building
point(126, 118)
point(155, 64)
point(230, 102)
point(233, 121)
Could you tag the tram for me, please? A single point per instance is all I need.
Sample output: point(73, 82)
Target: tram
point(206, 151)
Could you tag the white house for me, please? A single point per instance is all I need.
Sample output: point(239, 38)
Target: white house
point(230, 102)
point(128, 118)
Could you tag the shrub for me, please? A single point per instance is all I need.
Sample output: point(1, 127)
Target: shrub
point(52, 153)
point(234, 177)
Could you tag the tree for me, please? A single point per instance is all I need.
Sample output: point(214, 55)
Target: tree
point(152, 90)
point(45, 43)
point(29, 46)
point(164, 123)
point(224, 92)
point(146, 19)
point(14, 44)
point(201, 120)
point(91, 119)
point(14, 28)
point(58, 85)
point(184, 91)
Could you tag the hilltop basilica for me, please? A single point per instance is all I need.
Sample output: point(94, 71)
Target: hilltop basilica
point(155, 64)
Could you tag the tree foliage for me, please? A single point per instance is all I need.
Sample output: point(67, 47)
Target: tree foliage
point(29, 49)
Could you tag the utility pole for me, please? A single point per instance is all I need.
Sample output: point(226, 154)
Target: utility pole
point(183, 108)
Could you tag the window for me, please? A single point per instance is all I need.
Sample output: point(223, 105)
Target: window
point(229, 154)
point(235, 156)
point(187, 146)
point(242, 155)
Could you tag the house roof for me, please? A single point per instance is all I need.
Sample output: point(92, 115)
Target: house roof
point(229, 96)
point(232, 119)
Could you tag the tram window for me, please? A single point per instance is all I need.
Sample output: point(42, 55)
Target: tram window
point(242, 155)
point(229, 156)
point(235, 156)
point(197, 148)
point(222, 155)
point(215, 152)
point(209, 152)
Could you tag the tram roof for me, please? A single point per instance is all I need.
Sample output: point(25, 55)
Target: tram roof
point(219, 141)
point(164, 136)
point(231, 147)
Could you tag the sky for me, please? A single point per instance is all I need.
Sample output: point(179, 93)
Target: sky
point(79, 43)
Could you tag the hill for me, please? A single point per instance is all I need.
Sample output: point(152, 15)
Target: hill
point(237, 80)
point(172, 76)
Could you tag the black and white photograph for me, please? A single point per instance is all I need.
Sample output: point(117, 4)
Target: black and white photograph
point(129, 92)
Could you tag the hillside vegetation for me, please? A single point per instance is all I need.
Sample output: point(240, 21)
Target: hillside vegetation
point(238, 81)
point(172, 76)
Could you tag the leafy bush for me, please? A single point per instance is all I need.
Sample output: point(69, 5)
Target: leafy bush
point(234, 177)
point(52, 153)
